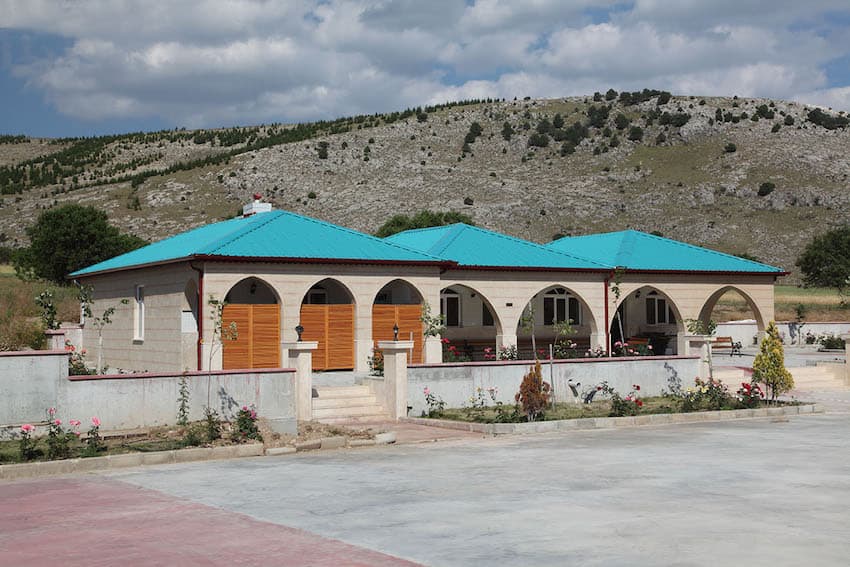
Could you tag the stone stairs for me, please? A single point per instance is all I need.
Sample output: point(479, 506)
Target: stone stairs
point(338, 404)
point(821, 377)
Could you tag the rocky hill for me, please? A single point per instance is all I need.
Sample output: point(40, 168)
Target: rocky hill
point(747, 176)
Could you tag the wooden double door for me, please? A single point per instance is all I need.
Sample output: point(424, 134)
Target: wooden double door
point(409, 321)
point(257, 342)
point(333, 327)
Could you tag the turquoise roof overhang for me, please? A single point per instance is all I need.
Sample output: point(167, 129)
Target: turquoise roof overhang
point(638, 251)
point(276, 236)
point(477, 248)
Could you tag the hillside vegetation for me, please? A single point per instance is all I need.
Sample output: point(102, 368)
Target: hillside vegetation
point(746, 176)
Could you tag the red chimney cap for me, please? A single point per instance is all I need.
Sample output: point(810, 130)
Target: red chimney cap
point(257, 196)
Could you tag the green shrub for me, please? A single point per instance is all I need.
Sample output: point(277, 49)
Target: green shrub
point(769, 364)
point(636, 134)
point(538, 140)
point(621, 121)
point(776, 127)
point(730, 148)
point(828, 121)
point(766, 188)
point(825, 261)
point(611, 94)
point(789, 120)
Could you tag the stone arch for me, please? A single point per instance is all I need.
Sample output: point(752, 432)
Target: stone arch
point(711, 302)
point(398, 305)
point(253, 309)
point(327, 316)
point(663, 329)
point(564, 302)
point(252, 291)
point(398, 291)
point(472, 323)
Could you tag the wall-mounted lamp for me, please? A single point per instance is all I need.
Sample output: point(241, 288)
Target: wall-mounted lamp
point(395, 332)
point(253, 289)
point(637, 294)
point(299, 329)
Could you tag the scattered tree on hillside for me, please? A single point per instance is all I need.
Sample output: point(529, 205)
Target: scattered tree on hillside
point(825, 261)
point(69, 238)
point(422, 219)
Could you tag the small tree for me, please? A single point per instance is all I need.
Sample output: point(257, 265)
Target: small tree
point(221, 333)
point(533, 393)
point(769, 365)
point(100, 322)
point(433, 325)
point(48, 309)
point(825, 261)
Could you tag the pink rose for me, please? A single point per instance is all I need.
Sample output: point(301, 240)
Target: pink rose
point(427, 391)
point(75, 422)
point(57, 422)
point(51, 412)
point(27, 428)
point(95, 421)
point(244, 408)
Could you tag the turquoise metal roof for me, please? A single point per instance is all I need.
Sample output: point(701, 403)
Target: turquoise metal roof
point(276, 234)
point(635, 250)
point(473, 246)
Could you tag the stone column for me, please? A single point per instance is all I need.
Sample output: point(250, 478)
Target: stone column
point(300, 355)
point(55, 339)
point(700, 345)
point(433, 350)
point(395, 376)
point(846, 358)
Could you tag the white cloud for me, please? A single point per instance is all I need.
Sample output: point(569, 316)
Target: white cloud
point(205, 63)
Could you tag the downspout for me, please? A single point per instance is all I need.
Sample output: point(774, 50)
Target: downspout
point(200, 343)
point(607, 325)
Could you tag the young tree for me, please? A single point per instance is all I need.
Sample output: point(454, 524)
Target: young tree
point(533, 393)
point(769, 365)
point(67, 238)
point(99, 322)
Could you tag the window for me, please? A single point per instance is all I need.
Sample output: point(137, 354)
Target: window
point(450, 307)
point(486, 316)
point(317, 296)
point(139, 314)
point(558, 305)
point(658, 312)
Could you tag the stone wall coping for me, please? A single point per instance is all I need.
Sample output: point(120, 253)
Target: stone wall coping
point(35, 353)
point(147, 375)
point(615, 422)
point(556, 361)
point(395, 345)
point(300, 345)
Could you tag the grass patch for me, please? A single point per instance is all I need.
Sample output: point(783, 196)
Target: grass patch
point(822, 304)
point(20, 323)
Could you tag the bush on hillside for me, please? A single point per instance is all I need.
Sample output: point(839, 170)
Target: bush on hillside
point(422, 219)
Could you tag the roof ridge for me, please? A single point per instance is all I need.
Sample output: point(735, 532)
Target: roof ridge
point(241, 232)
point(453, 231)
point(425, 228)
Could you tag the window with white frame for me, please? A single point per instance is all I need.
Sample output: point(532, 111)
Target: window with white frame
point(559, 306)
point(450, 307)
point(139, 314)
point(658, 311)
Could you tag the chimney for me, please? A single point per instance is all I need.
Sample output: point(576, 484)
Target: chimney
point(256, 206)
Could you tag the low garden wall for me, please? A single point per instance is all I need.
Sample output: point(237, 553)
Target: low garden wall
point(456, 383)
point(33, 381)
point(744, 331)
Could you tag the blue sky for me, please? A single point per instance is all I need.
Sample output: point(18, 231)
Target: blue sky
point(105, 66)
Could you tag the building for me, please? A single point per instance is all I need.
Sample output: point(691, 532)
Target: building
point(277, 270)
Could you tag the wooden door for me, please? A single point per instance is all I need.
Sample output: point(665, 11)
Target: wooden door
point(408, 319)
point(257, 343)
point(333, 327)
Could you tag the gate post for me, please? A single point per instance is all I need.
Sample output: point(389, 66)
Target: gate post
point(846, 359)
point(395, 376)
point(301, 358)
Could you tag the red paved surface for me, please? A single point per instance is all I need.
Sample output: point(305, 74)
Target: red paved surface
point(96, 521)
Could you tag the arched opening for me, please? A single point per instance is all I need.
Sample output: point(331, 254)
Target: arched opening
point(399, 304)
point(252, 310)
point(327, 316)
point(472, 324)
point(647, 317)
point(731, 305)
point(555, 316)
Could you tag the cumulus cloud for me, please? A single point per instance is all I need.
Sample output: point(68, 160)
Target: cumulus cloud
point(206, 63)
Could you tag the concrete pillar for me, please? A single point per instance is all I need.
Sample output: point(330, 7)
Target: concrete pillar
point(55, 339)
point(503, 341)
point(846, 358)
point(300, 357)
point(700, 345)
point(433, 350)
point(362, 353)
point(395, 376)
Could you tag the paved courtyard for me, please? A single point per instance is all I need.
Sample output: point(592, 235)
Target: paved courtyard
point(752, 492)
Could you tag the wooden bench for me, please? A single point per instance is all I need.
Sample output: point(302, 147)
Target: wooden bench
point(727, 342)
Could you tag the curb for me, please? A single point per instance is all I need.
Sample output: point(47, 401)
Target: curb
point(326, 443)
point(110, 462)
point(615, 422)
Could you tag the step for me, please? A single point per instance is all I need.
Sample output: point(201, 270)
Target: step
point(341, 402)
point(378, 417)
point(353, 411)
point(343, 391)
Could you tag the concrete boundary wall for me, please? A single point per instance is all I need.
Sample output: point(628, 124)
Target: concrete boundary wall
point(744, 331)
point(456, 383)
point(33, 381)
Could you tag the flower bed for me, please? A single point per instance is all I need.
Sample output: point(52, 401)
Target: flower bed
point(703, 396)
